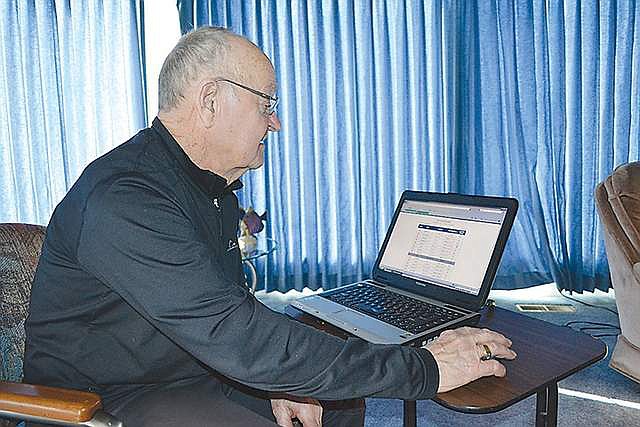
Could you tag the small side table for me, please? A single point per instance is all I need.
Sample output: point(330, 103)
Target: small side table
point(265, 247)
point(547, 353)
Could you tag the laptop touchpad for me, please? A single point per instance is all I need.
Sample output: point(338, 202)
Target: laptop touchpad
point(323, 305)
point(350, 317)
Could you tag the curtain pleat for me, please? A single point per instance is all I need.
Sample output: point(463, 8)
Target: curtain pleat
point(71, 90)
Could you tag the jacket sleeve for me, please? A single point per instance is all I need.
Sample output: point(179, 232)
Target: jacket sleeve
point(139, 242)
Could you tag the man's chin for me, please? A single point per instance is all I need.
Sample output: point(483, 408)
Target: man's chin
point(259, 160)
point(256, 165)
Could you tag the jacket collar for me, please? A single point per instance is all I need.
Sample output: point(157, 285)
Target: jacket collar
point(213, 185)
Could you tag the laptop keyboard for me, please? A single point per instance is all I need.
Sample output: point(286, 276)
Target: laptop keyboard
point(398, 310)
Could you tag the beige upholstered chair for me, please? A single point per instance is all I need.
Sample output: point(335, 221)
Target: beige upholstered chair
point(618, 203)
point(20, 246)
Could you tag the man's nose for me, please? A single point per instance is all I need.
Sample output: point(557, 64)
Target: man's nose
point(274, 123)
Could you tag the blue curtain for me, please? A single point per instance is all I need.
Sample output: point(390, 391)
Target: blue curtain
point(535, 100)
point(538, 100)
point(549, 105)
point(71, 89)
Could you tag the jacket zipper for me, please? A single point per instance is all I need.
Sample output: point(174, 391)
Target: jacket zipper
point(216, 203)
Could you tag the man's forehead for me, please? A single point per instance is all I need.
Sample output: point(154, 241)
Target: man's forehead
point(272, 86)
point(254, 64)
point(264, 76)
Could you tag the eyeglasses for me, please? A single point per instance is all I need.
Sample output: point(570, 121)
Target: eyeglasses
point(273, 101)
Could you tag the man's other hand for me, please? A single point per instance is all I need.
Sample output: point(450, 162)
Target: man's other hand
point(459, 354)
point(307, 411)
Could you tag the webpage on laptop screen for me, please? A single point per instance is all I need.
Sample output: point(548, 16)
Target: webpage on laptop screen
point(443, 244)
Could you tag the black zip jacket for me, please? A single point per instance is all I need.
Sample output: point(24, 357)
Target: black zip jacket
point(140, 283)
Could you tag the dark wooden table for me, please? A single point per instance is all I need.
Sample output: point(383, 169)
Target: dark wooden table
point(547, 353)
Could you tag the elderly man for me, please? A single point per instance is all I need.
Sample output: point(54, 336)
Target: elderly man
point(140, 297)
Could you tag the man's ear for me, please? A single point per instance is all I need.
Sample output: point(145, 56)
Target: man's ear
point(208, 102)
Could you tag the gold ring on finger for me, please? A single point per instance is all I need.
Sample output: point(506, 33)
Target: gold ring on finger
point(487, 353)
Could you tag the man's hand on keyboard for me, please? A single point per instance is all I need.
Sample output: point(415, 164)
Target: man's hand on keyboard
point(466, 354)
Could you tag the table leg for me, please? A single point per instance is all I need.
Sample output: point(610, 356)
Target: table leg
point(547, 406)
point(410, 417)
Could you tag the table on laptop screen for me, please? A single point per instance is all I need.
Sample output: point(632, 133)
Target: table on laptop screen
point(443, 244)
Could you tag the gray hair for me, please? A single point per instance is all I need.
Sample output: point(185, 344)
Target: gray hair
point(203, 50)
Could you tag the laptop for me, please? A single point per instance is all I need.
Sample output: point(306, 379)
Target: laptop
point(434, 271)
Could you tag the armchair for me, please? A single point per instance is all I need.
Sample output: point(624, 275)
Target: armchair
point(20, 246)
point(618, 204)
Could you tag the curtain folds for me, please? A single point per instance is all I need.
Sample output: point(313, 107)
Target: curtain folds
point(557, 99)
point(71, 89)
point(537, 100)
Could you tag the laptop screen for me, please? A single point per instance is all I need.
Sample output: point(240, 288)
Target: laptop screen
point(443, 244)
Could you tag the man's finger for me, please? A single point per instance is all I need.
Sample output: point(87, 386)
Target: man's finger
point(486, 335)
point(310, 415)
point(308, 419)
point(505, 353)
point(497, 350)
point(447, 336)
point(492, 367)
point(479, 336)
point(282, 416)
point(494, 336)
point(283, 421)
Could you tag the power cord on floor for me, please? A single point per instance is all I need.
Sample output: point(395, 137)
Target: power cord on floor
point(612, 329)
point(597, 326)
point(587, 304)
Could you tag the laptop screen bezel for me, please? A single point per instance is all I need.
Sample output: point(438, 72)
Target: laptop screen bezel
point(458, 298)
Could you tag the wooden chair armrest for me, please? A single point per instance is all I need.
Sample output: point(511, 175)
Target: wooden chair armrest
point(54, 403)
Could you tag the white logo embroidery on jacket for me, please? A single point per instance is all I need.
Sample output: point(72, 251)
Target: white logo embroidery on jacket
point(232, 245)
